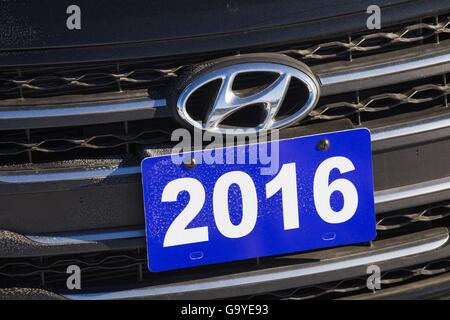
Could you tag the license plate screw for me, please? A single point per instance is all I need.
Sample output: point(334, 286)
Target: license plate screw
point(323, 145)
point(190, 163)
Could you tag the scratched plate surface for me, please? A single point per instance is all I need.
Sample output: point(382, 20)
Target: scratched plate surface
point(197, 237)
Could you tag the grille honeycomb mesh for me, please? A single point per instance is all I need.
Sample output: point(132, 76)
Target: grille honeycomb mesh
point(101, 270)
point(115, 139)
point(21, 83)
point(350, 287)
point(429, 214)
point(61, 140)
point(411, 34)
point(417, 95)
point(65, 144)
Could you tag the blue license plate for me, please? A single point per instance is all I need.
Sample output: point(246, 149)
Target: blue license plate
point(319, 195)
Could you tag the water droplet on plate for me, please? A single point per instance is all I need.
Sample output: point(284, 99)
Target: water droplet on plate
point(196, 255)
point(329, 236)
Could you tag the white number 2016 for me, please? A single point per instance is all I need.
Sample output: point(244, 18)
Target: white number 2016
point(285, 181)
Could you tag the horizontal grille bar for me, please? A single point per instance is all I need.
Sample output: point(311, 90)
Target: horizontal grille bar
point(377, 135)
point(52, 128)
point(384, 198)
point(46, 81)
point(83, 114)
point(393, 229)
point(396, 221)
point(429, 281)
point(348, 287)
point(67, 175)
point(27, 117)
point(387, 70)
point(425, 243)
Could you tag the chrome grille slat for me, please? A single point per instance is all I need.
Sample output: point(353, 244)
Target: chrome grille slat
point(32, 117)
point(125, 266)
point(256, 277)
point(348, 286)
point(393, 100)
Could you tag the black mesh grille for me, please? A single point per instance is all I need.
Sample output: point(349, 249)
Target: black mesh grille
point(128, 269)
point(62, 84)
point(366, 105)
point(431, 30)
point(48, 81)
point(123, 139)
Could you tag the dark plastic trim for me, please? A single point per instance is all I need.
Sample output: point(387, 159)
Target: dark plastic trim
point(400, 250)
point(326, 25)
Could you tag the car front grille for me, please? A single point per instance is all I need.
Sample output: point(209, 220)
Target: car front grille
point(67, 84)
point(52, 144)
point(346, 288)
point(37, 82)
point(122, 139)
point(42, 82)
point(128, 269)
point(385, 101)
point(432, 29)
point(44, 122)
point(425, 217)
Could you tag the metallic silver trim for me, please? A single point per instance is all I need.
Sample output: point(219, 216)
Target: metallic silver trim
point(30, 117)
point(411, 191)
point(86, 237)
point(386, 69)
point(228, 102)
point(255, 278)
point(420, 126)
point(38, 112)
